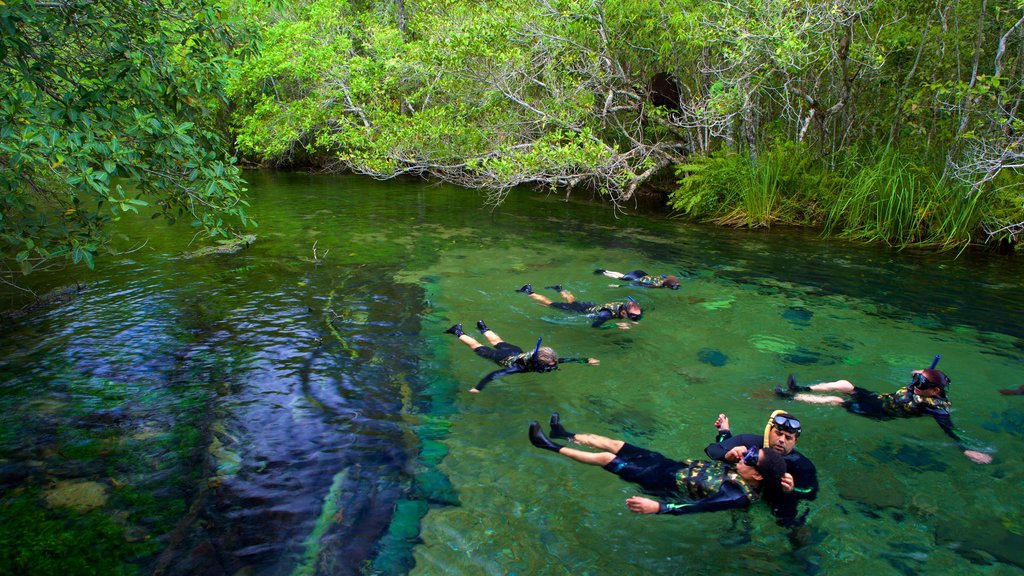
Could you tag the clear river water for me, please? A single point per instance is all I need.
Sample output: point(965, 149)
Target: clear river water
point(296, 408)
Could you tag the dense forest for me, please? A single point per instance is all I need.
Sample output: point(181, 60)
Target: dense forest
point(889, 120)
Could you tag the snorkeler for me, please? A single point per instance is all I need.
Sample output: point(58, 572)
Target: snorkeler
point(642, 279)
point(511, 358)
point(780, 434)
point(924, 396)
point(692, 485)
point(602, 312)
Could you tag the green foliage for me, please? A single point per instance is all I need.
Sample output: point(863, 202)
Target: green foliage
point(782, 185)
point(106, 109)
point(890, 199)
point(559, 94)
point(35, 541)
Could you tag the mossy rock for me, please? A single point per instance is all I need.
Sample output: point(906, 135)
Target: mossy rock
point(228, 246)
point(79, 495)
point(881, 490)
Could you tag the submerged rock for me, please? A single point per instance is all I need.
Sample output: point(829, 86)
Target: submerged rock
point(982, 541)
point(883, 491)
point(228, 246)
point(713, 357)
point(80, 495)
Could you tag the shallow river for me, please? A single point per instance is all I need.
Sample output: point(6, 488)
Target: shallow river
point(295, 407)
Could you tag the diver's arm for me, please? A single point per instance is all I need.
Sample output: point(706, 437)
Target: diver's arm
point(805, 477)
point(728, 497)
point(718, 450)
point(602, 317)
point(594, 361)
point(946, 423)
point(494, 376)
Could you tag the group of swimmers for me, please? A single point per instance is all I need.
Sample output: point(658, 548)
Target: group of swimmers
point(743, 468)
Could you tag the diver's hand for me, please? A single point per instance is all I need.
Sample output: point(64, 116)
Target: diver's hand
point(474, 390)
point(786, 482)
point(722, 423)
point(735, 454)
point(978, 457)
point(593, 361)
point(641, 505)
point(623, 325)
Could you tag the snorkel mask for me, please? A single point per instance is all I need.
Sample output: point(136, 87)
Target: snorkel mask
point(632, 316)
point(930, 378)
point(536, 359)
point(751, 457)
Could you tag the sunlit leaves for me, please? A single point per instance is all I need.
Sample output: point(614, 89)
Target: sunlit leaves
point(98, 95)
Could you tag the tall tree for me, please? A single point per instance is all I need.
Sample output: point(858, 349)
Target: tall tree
point(107, 106)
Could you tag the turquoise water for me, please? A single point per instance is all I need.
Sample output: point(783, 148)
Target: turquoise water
point(282, 410)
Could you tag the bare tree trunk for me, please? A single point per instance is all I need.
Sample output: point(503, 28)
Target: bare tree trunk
point(965, 106)
point(898, 116)
point(400, 14)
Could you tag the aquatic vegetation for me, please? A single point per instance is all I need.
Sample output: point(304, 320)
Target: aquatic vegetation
point(772, 343)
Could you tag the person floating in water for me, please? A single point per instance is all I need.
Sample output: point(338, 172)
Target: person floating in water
point(924, 396)
point(642, 279)
point(691, 485)
point(511, 358)
point(781, 434)
point(602, 312)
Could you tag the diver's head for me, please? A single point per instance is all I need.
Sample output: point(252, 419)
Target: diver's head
point(782, 432)
point(671, 282)
point(546, 359)
point(761, 465)
point(930, 379)
point(631, 310)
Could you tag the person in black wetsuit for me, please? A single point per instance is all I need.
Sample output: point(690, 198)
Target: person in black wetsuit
point(691, 485)
point(602, 312)
point(511, 358)
point(800, 482)
point(641, 279)
point(924, 396)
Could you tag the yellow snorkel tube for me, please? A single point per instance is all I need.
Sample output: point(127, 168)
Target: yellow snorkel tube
point(768, 427)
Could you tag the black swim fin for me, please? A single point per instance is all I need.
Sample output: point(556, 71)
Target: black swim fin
point(793, 387)
point(538, 439)
point(559, 431)
point(455, 329)
point(526, 289)
point(481, 326)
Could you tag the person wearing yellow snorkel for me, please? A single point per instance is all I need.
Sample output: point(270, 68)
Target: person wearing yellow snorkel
point(602, 312)
point(780, 434)
point(924, 396)
point(510, 357)
point(689, 486)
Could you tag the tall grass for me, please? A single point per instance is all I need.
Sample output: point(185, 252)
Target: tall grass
point(883, 197)
point(892, 200)
point(733, 189)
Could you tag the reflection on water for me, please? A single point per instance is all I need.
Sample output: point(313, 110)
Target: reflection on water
point(280, 411)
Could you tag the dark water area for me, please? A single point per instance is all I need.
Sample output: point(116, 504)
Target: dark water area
point(296, 408)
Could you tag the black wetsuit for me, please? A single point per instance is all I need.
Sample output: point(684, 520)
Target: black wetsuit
point(644, 280)
point(903, 404)
point(695, 485)
point(512, 360)
point(603, 312)
point(805, 475)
